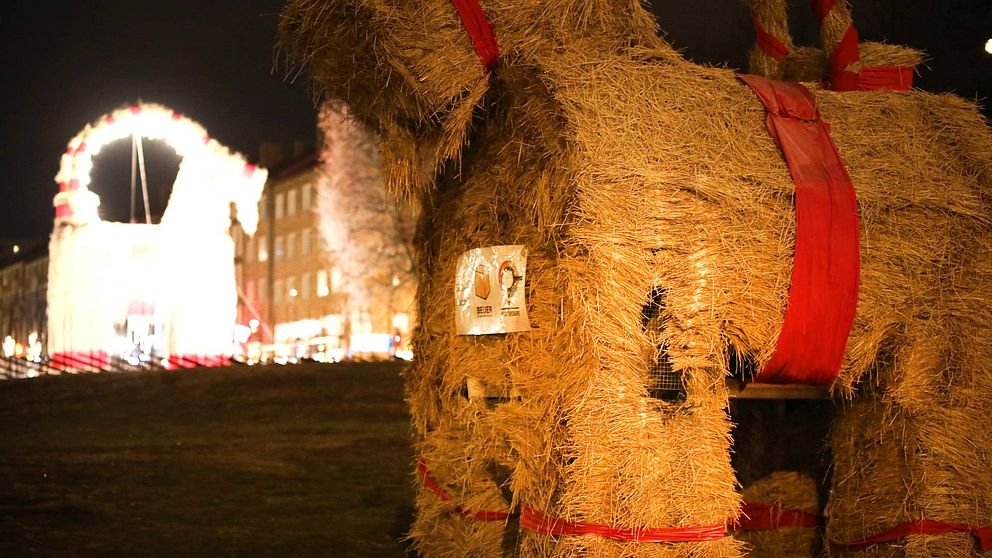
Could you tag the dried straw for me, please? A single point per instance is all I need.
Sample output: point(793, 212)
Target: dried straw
point(628, 171)
point(785, 490)
point(809, 64)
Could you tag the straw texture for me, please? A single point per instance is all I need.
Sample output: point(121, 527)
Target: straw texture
point(808, 63)
point(657, 212)
point(785, 490)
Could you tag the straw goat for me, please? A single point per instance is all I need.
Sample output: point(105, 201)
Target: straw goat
point(640, 180)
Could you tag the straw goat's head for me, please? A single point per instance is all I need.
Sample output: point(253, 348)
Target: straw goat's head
point(409, 70)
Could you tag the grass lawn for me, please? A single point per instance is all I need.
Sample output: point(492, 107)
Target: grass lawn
point(306, 460)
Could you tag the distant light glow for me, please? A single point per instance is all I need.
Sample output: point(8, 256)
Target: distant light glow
point(293, 292)
point(17, 248)
point(988, 46)
point(203, 157)
point(242, 333)
point(176, 276)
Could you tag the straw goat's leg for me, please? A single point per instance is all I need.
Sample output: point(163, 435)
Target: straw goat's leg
point(918, 446)
point(771, 17)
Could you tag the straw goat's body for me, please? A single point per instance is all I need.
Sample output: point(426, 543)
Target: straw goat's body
point(627, 172)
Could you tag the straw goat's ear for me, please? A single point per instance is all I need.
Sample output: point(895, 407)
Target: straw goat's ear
point(407, 69)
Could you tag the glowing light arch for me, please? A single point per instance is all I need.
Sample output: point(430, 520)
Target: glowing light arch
point(76, 203)
point(172, 285)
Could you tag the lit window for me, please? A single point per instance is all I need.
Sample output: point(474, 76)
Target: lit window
point(322, 288)
point(291, 287)
point(305, 238)
point(280, 205)
point(335, 279)
point(263, 248)
point(291, 202)
point(305, 285)
point(280, 248)
point(291, 246)
point(306, 197)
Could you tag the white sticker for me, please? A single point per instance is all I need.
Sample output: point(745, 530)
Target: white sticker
point(490, 291)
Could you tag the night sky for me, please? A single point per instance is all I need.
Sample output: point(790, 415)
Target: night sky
point(68, 63)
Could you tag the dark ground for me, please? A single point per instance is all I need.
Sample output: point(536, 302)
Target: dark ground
point(307, 460)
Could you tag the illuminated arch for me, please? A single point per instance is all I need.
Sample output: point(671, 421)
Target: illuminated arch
point(172, 283)
point(75, 203)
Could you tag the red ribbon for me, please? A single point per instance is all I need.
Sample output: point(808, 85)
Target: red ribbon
point(873, 78)
point(846, 51)
point(437, 489)
point(826, 266)
point(534, 520)
point(754, 517)
point(769, 517)
point(479, 30)
point(821, 8)
point(768, 43)
point(921, 527)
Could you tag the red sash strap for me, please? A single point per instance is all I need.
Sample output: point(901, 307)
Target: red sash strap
point(768, 517)
point(983, 535)
point(768, 43)
point(826, 266)
point(873, 78)
point(437, 489)
point(534, 520)
point(479, 30)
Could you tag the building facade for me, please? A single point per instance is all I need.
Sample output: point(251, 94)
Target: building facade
point(292, 300)
point(23, 292)
point(289, 307)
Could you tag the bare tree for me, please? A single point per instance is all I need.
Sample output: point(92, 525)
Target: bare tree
point(367, 234)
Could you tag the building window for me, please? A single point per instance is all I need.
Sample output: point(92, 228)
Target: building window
point(322, 287)
point(262, 294)
point(305, 238)
point(291, 288)
point(305, 285)
point(290, 246)
point(280, 205)
point(280, 248)
point(336, 279)
point(250, 250)
point(261, 206)
point(291, 202)
point(277, 295)
point(263, 248)
point(306, 197)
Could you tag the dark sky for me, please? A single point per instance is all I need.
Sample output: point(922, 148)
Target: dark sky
point(67, 63)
